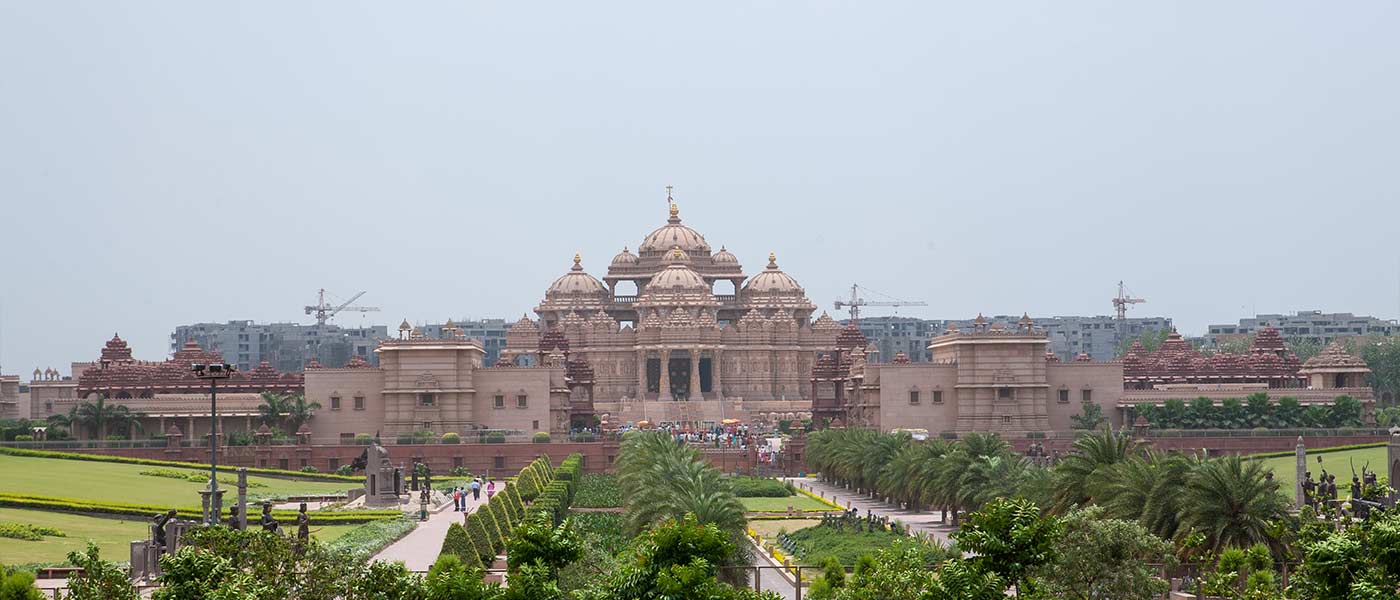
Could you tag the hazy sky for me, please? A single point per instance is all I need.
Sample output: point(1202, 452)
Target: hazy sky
point(173, 162)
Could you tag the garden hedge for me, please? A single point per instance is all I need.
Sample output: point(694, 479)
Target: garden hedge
point(1312, 451)
point(458, 544)
point(476, 530)
point(288, 474)
point(75, 505)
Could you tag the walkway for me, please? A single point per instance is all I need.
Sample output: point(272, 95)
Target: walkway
point(923, 522)
point(419, 549)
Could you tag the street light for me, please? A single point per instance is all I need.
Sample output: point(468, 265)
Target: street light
point(213, 496)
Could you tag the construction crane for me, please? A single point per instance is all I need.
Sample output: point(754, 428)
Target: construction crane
point(855, 302)
point(324, 311)
point(1122, 300)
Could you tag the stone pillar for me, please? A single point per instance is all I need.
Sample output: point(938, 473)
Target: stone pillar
point(641, 374)
point(1392, 458)
point(243, 498)
point(695, 374)
point(664, 391)
point(716, 367)
point(1300, 465)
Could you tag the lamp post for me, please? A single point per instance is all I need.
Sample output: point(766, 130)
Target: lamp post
point(213, 496)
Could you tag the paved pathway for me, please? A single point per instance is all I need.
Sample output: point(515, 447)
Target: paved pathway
point(419, 549)
point(925, 522)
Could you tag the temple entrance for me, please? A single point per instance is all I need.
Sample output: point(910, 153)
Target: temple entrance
point(706, 376)
point(653, 375)
point(679, 372)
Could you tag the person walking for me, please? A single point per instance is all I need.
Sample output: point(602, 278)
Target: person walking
point(476, 489)
point(490, 490)
point(457, 499)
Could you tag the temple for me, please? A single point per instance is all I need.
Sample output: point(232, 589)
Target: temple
point(1268, 362)
point(662, 340)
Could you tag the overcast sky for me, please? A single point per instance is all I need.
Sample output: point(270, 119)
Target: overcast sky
point(164, 163)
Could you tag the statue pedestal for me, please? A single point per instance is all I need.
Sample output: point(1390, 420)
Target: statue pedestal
point(212, 503)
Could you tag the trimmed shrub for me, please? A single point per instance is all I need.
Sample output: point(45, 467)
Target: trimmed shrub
point(363, 439)
point(458, 544)
point(309, 469)
point(760, 487)
point(451, 437)
point(540, 437)
point(476, 530)
point(170, 463)
point(496, 437)
point(24, 438)
point(503, 521)
point(494, 536)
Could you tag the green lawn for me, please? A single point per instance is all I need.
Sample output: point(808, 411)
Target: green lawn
point(1336, 463)
point(113, 536)
point(114, 482)
point(798, 502)
point(770, 527)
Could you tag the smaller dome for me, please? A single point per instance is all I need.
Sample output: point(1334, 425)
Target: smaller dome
point(677, 276)
point(576, 281)
point(724, 257)
point(772, 279)
point(624, 258)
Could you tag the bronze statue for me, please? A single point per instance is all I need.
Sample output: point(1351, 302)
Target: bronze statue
point(234, 522)
point(1355, 487)
point(1309, 489)
point(303, 528)
point(268, 522)
point(161, 521)
point(1332, 487)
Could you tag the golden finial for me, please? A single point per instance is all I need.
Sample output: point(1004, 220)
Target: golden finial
point(675, 210)
point(772, 258)
point(578, 258)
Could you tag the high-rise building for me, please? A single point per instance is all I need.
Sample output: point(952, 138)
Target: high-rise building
point(1313, 326)
point(1099, 337)
point(286, 346)
point(490, 332)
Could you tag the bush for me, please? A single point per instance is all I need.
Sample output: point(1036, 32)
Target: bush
point(476, 530)
point(25, 531)
point(496, 437)
point(24, 438)
point(598, 490)
point(365, 541)
point(760, 487)
point(458, 544)
point(345, 470)
point(460, 472)
point(309, 469)
point(363, 439)
point(540, 438)
point(16, 585)
point(451, 437)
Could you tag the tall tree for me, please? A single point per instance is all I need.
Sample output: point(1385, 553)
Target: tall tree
point(1231, 502)
point(274, 408)
point(1104, 558)
point(300, 411)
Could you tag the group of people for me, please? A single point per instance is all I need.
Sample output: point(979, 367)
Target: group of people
point(1324, 491)
point(473, 489)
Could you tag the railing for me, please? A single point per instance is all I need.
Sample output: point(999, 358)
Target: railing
point(624, 299)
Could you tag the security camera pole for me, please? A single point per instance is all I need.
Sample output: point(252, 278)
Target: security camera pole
point(213, 372)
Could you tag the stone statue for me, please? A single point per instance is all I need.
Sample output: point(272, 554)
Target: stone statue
point(303, 527)
point(1368, 477)
point(233, 521)
point(1309, 488)
point(160, 522)
point(268, 522)
point(1355, 487)
point(1332, 487)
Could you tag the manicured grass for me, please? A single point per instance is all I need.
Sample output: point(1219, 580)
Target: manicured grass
point(769, 528)
point(1336, 463)
point(113, 482)
point(112, 536)
point(798, 502)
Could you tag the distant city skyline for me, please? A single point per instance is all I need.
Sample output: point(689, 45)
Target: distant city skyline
point(166, 164)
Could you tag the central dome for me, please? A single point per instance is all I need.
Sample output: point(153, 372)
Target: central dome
point(673, 234)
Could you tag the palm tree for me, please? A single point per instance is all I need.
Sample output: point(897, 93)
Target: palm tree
point(1232, 503)
point(95, 414)
point(274, 408)
point(1091, 453)
point(1146, 489)
point(300, 411)
point(126, 420)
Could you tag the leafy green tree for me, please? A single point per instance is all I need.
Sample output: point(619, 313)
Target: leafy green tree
point(449, 579)
point(199, 574)
point(1090, 417)
point(676, 560)
point(18, 585)
point(1150, 341)
point(536, 542)
point(824, 587)
point(1230, 415)
point(1010, 538)
point(1305, 348)
point(905, 571)
point(1289, 413)
point(1316, 416)
point(1231, 502)
point(1345, 412)
point(1104, 558)
point(1174, 414)
point(1383, 358)
point(1358, 562)
point(99, 579)
point(386, 580)
point(1258, 411)
point(1201, 414)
